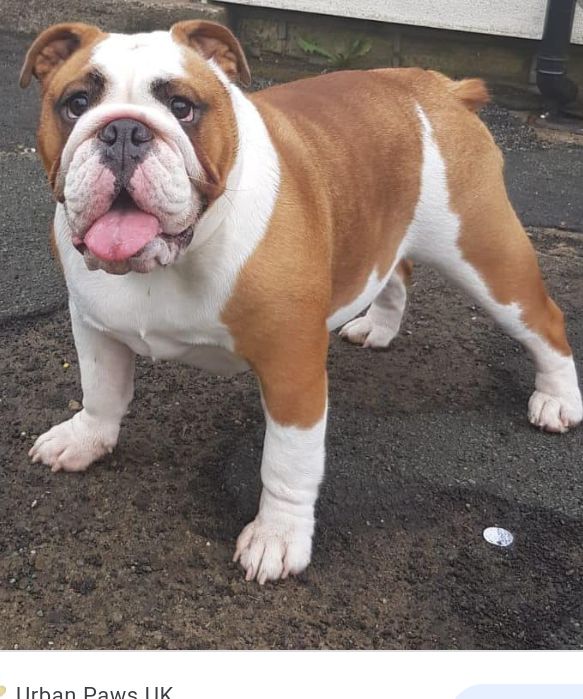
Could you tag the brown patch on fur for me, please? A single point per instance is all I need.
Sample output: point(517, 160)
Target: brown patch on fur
point(217, 42)
point(357, 171)
point(277, 313)
point(53, 47)
point(471, 92)
point(59, 56)
point(405, 271)
point(214, 136)
point(492, 238)
point(350, 181)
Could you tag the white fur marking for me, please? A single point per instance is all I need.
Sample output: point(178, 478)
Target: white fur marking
point(132, 62)
point(279, 540)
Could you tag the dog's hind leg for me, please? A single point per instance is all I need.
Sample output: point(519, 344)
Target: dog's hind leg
point(491, 257)
point(465, 227)
point(381, 323)
point(500, 270)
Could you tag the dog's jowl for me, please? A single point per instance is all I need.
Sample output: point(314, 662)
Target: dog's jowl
point(232, 231)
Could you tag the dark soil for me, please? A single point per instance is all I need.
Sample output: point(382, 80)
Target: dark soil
point(428, 444)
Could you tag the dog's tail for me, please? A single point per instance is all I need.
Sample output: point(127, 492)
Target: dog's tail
point(472, 92)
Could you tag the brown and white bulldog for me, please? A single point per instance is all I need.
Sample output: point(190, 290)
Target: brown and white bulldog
point(197, 223)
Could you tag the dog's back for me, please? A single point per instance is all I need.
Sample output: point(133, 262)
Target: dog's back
point(351, 149)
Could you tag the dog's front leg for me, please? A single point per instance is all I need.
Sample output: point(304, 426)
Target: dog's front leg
point(279, 540)
point(107, 379)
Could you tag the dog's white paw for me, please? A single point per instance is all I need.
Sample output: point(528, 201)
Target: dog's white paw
point(272, 548)
point(554, 413)
point(363, 331)
point(556, 404)
point(75, 444)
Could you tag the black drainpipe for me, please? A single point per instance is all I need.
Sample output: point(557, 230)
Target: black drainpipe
point(551, 60)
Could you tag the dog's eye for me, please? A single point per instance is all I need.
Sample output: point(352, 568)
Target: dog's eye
point(77, 105)
point(182, 109)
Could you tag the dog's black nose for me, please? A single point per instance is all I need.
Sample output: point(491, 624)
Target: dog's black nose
point(125, 139)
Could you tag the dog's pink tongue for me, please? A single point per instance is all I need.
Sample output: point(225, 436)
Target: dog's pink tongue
point(121, 233)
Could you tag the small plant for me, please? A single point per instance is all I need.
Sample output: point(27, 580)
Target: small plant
point(340, 59)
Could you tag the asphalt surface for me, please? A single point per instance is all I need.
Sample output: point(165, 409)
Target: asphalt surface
point(428, 444)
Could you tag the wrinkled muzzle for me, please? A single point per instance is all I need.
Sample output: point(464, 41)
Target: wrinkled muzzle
point(129, 194)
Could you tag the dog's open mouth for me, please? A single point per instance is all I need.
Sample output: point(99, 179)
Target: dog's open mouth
point(126, 239)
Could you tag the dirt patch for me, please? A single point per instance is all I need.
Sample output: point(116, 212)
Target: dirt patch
point(428, 444)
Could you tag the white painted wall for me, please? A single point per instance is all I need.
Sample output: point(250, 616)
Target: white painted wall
point(521, 18)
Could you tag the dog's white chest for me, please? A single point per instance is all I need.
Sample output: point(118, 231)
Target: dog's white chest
point(168, 314)
point(168, 328)
point(172, 333)
point(205, 351)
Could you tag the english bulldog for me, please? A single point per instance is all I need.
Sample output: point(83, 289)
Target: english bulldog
point(232, 231)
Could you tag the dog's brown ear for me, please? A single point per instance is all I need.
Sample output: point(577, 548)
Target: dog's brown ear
point(53, 47)
point(215, 41)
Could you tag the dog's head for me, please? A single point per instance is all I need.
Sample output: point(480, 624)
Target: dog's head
point(137, 134)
